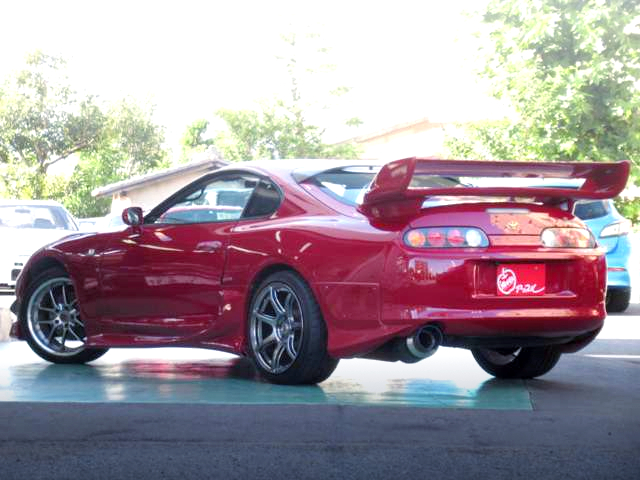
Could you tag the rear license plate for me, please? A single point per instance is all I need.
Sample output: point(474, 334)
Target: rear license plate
point(520, 279)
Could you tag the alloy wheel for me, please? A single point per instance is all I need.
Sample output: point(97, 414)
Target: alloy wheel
point(276, 327)
point(53, 318)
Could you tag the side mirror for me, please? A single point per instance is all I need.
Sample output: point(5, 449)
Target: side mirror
point(132, 216)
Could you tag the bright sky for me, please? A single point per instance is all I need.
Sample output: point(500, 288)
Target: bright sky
point(404, 59)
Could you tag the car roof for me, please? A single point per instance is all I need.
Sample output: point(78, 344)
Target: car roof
point(299, 168)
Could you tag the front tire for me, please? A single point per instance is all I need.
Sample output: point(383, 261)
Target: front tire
point(51, 320)
point(287, 334)
point(526, 362)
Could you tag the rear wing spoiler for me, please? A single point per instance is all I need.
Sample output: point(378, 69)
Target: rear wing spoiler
point(391, 195)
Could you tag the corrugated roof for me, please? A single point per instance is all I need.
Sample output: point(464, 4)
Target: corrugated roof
point(210, 163)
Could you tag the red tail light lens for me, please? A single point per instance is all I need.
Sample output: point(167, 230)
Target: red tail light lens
point(455, 237)
point(560, 237)
point(446, 237)
point(435, 238)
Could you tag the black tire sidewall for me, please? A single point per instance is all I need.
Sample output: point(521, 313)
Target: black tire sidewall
point(531, 362)
point(618, 301)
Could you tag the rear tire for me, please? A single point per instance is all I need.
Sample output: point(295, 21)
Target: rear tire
point(287, 334)
point(618, 300)
point(528, 362)
point(50, 320)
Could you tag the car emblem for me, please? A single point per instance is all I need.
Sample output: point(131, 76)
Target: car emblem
point(513, 226)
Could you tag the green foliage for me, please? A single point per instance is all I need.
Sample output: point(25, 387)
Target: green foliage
point(629, 208)
point(488, 140)
point(273, 132)
point(43, 121)
point(130, 144)
point(194, 136)
point(570, 69)
point(195, 140)
point(280, 127)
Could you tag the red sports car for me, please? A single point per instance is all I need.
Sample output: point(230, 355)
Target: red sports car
point(317, 261)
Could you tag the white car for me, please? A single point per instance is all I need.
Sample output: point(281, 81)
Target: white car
point(25, 226)
point(107, 223)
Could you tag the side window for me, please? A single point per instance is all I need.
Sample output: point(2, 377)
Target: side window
point(264, 201)
point(221, 200)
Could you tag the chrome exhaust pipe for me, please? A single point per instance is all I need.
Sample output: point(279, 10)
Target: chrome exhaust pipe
point(424, 342)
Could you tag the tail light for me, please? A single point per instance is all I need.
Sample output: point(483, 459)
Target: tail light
point(569, 237)
point(446, 237)
point(623, 227)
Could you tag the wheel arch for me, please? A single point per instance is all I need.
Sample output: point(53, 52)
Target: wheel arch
point(263, 273)
point(27, 276)
point(39, 266)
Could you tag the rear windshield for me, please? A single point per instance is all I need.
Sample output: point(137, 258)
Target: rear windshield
point(349, 185)
point(36, 216)
point(590, 210)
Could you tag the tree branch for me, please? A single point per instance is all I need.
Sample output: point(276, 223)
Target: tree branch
point(72, 150)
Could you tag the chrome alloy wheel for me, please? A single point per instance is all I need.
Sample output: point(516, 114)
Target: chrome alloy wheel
point(276, 327)
point(53, 318)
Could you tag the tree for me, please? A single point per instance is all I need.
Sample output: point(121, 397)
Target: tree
point(195, 139)
point(42, 121)
point(570, 69)
point(130, 144)
point(274, 131)
point(281, 127)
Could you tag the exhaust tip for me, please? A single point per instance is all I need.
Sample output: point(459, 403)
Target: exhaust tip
point(425, 341)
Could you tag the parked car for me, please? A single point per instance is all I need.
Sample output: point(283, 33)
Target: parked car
point(612, 232)
point(101, 224)
point(333, 260)
point(25, 226)
point(87, 224)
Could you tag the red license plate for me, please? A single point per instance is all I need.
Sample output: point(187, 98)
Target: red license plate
point(520, 279)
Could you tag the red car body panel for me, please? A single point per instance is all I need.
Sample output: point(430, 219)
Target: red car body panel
point(190, 285)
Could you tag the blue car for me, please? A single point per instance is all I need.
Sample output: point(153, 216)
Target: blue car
point(611, 230)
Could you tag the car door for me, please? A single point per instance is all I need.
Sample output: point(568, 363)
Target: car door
point(163, 278)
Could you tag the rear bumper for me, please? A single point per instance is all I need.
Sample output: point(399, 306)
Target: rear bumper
point(542, 322)
point(566, 344)
point(458, 293)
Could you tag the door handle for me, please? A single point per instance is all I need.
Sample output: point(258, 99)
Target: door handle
point(209, 246)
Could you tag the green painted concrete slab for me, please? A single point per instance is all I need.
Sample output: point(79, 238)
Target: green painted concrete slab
point(449, 379)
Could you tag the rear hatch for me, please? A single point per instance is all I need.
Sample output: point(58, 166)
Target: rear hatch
point(515, 259)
